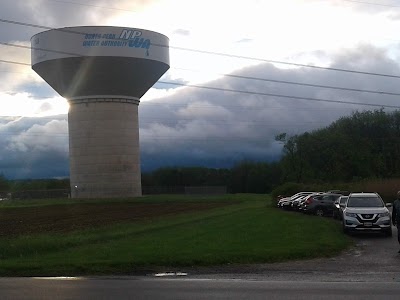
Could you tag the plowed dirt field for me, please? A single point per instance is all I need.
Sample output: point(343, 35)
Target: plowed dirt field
point(66, 218)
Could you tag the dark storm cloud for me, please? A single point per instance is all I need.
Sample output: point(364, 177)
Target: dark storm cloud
point(194, 126)
point(46, 164)
point(199, 126)
point(34, 147)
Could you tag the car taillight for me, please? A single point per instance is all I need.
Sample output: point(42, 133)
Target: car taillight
point(309, 200)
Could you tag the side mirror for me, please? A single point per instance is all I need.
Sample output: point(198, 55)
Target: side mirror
point(342, 205)
point(389, 204)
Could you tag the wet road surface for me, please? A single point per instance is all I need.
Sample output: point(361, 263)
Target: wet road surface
point(154, 288)
point(374, 258)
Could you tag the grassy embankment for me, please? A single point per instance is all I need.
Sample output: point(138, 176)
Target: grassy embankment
point(248, 231)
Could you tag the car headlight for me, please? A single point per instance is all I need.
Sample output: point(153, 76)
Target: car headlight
point(351, 215)
point(385, 214)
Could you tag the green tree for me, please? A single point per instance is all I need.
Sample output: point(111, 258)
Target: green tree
point(363, 145)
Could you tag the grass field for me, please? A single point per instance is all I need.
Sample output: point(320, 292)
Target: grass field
point(152, 232)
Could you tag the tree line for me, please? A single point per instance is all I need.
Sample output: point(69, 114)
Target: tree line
point(361, 146)
point(364, 145)
point(244, 177)
point(32, 184)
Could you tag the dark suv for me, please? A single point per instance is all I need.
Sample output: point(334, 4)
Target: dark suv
point(320, 204)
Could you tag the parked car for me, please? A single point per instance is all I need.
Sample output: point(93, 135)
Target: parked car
point(284, 199)
point(366, 212)
point(339, 204)
point(286, 202)
point(295, 204)
point(279, 204)
point(302, 201)
point(279, 197)
point(320, 204)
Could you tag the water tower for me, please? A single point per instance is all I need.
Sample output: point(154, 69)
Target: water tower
point(102, 72)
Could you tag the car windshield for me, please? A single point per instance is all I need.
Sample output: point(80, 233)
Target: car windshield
point(364, 202)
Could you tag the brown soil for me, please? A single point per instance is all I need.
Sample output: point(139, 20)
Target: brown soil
point(66, 218)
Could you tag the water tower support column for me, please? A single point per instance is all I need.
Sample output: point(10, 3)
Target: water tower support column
point(104, 147)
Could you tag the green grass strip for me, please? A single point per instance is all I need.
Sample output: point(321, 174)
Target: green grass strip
point(248, 232)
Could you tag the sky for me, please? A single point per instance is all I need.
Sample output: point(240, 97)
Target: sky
point(224, 98)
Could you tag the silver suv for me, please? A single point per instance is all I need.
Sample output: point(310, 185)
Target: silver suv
point(366, 212)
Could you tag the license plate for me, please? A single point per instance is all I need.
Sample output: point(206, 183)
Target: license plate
point(368, 224)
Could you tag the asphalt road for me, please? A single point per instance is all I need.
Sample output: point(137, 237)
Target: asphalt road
point(370, 270)
point(147, 288)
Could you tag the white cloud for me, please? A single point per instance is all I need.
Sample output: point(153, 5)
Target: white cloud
point(23, 104)
point(41, 138)
point(14, 75)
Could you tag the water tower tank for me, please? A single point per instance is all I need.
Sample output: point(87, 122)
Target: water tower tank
point(103, 72)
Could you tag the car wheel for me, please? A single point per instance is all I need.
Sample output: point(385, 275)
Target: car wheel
point(319, 212)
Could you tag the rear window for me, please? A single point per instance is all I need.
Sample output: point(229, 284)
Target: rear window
point(364, 202)
point(343, 200)
point(328, 198)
